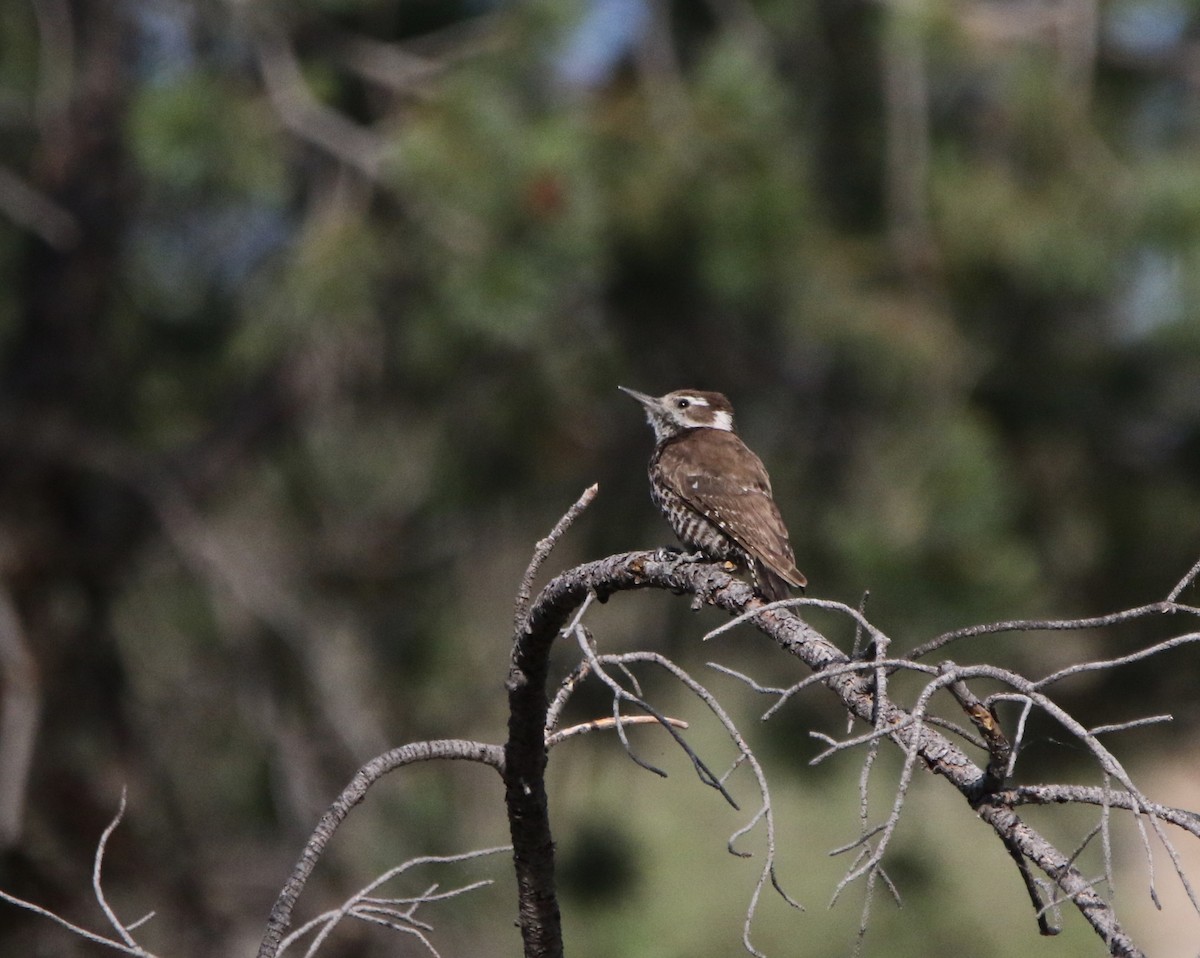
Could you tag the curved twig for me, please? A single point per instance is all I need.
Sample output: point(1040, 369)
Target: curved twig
point(125, 943)
point(765, 812)
point(443, 749)
point(387, 911)
point(1167, 607)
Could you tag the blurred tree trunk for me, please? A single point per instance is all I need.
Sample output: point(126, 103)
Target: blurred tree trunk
point(850, 157)
point(60, 358)
point(69, 530)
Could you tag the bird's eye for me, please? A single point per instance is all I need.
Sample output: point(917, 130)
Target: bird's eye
point(682, 403)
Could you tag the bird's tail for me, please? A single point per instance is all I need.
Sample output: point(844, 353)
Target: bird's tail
point(773, 586)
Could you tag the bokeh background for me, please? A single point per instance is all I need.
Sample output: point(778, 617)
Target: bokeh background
point(311, 319)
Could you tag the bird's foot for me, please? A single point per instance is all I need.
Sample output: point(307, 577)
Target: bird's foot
point(676, 554)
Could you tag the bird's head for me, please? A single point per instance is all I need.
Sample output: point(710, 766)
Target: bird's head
point(684, 409)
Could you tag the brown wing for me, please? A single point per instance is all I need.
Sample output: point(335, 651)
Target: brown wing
point(721, 477)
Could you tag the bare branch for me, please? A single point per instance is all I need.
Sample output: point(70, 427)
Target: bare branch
point(1033, 888)
point(1121, 660)
point(83, 933)
point(358, 147)
point(1045, 625)
point(857, 693)
point(565, 690)
point(860, 620)
point(125, 943)
point(97, 887)
point(1134, 723)
point(442, 749)
point(845, 668)
point(860, 686)
point(408, 68)
point(597, 665)
point(1104, 797)
point(27, 206)
point(542, 550)
point(604, 724)
point(620, 694)
point(998, 748)
point(1183, 583)
point(746, 756)
point(362, 906)
point(1105, 759)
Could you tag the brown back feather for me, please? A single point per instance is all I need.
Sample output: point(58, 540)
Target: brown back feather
point(728, 484)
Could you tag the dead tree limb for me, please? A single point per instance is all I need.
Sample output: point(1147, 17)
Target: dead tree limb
point(444, 749)
point(854, 683)
point(862, 689)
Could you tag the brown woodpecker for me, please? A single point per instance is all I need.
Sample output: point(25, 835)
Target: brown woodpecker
point(714, 491)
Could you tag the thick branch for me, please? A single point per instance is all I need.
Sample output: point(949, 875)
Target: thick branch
point(525, 753)
point(856, 688)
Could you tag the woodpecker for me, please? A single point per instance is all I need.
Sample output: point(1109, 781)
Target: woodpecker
point(714, 491)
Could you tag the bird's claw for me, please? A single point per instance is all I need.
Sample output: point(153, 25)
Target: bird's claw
point(675, 554)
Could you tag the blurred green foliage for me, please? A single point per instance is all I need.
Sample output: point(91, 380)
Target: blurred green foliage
point(296, 365)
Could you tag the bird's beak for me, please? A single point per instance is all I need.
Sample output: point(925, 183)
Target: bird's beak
point(648, 401)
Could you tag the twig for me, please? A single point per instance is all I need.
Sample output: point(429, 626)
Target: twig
point(1045, 925)
point(98, 887)
point(1183, 583)
point(1022, 724)
point(76, 929)
point(1120, 660)
point(565, 690)
point(998, 747)
point(1106, 834)
point(358, 147)
point(855, 686)
point(765, 812)
point(861, 622)
point(368, 775)
point(620, 694)
point(889, 826)
point(542, 550)
point(1042, 625)
point(604, 724)
point(833, 671)
point(856, 649)
point(361, 905)
point(125, 943)
point(1134, 723)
